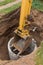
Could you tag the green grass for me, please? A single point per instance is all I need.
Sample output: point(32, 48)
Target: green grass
point(38, 4)
point(39, 55)
point(7, 10)
point(6, 2)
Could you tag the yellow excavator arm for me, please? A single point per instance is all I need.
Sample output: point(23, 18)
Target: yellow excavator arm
point(25, 12)
point(21, 32)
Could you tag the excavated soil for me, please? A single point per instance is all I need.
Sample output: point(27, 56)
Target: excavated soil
point(36, 21)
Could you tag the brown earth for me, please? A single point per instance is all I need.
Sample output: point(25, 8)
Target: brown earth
point(37, 21)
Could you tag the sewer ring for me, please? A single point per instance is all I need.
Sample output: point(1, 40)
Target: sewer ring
point(14, 54)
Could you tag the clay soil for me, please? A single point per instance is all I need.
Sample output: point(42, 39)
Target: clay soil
point(37, 21)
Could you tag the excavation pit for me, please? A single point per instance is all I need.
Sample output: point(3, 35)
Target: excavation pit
point(4, 56)
point(14, 54)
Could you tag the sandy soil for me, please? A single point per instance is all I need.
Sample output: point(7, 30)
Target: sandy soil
point(1, 0)
point(9, 4)
point(38, 35)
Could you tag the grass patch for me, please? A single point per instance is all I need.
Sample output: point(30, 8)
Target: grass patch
point(38, 4)
point(6, 2)
point(39, 55)
point(7, 10)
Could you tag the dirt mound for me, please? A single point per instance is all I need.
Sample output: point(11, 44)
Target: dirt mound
point(8, 21)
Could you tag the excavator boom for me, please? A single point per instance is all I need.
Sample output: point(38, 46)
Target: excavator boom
point(21, 32)
point(25, 12)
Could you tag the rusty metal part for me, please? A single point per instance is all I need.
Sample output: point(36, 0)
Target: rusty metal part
point(21, 44)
